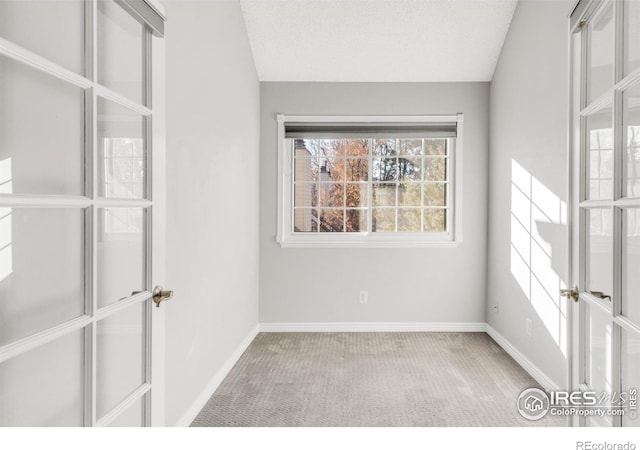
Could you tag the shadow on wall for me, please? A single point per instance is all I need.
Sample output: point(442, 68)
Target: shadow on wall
point(538, 222)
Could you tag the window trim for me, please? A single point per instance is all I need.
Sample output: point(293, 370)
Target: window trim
point(288, 239)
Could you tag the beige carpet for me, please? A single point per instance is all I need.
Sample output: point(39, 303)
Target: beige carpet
point(371, 379)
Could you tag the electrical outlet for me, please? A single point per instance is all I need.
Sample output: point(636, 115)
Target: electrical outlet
point(529, 327)
point(363, 299)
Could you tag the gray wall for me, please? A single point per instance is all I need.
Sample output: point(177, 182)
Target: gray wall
point(212, 168)
point(405, 285)
point(527, 166)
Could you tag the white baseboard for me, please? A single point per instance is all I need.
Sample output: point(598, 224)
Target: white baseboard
point(204, 396)
point(527, 365)
point(371, 327)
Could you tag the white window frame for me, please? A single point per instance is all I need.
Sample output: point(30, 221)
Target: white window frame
point(286, 237)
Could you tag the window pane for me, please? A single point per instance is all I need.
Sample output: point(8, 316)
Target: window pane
point(305, 194)
point(384, 219)
point(435, 147)
point(435, 220)
point(600, 251)
point(356, 220)
point(600, 71)
point(409, 194)
point(631, 119)
point(45, 386)
point(409, 220)
point(384, 148)
point(120, 352)
point(384, 194)
point(331, 194)
point(357, 195)
point(410, 147)
point(41, 269)
point(121, 150)
point(121, 253)
point(410, 169)
point(385, 169)
point(305, 169)
point(600, 155)
point(120, 51)
point(332, 220)
point(357, 169)
point(357, 148)
point(42, 132)
point(61, 22)
point(307, 148)
point(331, 169)
point(305, 220)
point(435, 169)
point(434, 194)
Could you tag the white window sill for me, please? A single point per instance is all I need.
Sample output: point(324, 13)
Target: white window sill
point(361, 243)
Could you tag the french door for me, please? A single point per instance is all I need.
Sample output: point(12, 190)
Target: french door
point(605, 140)
point(81, 213)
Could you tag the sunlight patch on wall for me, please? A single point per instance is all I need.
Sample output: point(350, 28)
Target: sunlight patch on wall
point(536, 214)
point(5, 177)
point(6, 262)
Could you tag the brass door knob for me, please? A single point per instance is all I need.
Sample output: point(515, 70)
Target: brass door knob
point(571, 293)
point(160, 295)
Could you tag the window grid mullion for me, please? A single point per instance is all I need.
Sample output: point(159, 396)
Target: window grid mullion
point(344, 188)
point(370, 188)
point(397, 185)
point(422, 179)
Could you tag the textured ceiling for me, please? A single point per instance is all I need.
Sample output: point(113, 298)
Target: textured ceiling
point(377, 40)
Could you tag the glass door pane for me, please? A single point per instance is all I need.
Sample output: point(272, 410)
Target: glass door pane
point(630, 265)
point(41, 132)
point(42, 272)
point(598, 338)
point(60, 40)
point(631, 159)
point(599, 157)
point(121, 152)
point(599, 254)
point(601, 52)
point(631, 36)
point(120, 51)
point(131, 417)
point(44, 387)
point(120, 356)
point(122, 253)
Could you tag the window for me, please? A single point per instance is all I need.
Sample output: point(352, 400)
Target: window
point(369, 181)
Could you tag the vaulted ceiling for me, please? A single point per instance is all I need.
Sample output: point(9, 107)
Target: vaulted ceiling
point(377, 40)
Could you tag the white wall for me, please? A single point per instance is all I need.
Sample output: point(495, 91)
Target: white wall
point(528, 192)
point(405, 285)
point(212, 194)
